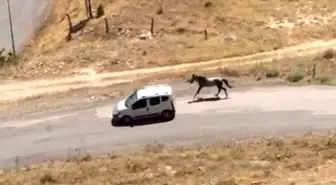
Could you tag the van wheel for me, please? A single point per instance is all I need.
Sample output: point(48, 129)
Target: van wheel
point(167, 115)
point(127, 120)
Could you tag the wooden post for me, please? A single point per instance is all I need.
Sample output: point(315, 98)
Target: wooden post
point(107, 29)
point(90, 9)
point(314, 71)
point(205, 34)
point(70, 27)
point(87, 7)
point(152, 27)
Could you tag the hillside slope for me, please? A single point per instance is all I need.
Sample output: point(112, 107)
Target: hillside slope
point(234, 28)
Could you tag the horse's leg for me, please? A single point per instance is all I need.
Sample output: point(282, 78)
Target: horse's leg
point(226, 94)
point(198, 90)
point(219, 89)
point(219, 85)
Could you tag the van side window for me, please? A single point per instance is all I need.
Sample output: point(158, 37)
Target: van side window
point(140, 104)
point(154, 101)
point(164, 98)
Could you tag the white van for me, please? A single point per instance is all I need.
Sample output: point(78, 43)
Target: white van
point(148, 102)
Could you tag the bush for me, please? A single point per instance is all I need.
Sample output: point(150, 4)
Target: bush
point(229, 72)
point(322, 78)
point(47, 179)
point(159, 11)
point(10, 58)
point(329, 54)
point(295, 75)
point(272, 73)
point(100, 11)
point(258, 69)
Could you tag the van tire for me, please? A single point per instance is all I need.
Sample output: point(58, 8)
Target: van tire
point(168, 115)
point(127, 120)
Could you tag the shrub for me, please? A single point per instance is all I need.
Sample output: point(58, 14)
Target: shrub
point(100, 11)
point(229, 72)
point(329, 53)
point(322, 78)
point(272, 73)
point(208, 4)
point(159, 11)
point(257, 69)
point(10, 58)
point(47, 179)
point(295, 75)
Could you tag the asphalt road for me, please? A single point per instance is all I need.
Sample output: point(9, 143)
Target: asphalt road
point(26, 15)
point(251, 112)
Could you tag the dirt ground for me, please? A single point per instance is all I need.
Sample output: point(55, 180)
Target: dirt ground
point(295, 71)
point(234, 29)
point(304, 159)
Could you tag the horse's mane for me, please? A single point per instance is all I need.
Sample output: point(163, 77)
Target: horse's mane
point(201, 77)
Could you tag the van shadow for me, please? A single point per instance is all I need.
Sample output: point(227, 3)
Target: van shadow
point(142, 122)
point(211, 99)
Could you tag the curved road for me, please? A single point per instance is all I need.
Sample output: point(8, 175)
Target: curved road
point(26, 15)
point(267, 111)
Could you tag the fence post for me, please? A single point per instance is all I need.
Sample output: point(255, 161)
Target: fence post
point(107, 28)
point(87, 7)
point(314, 71)
point(152, 26)
point(70, 27)
point(90, 9)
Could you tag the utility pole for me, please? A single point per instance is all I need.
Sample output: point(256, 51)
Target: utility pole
point(11, 26)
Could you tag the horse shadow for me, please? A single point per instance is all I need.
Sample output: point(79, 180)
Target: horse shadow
point(211, 99)
point(142, 122)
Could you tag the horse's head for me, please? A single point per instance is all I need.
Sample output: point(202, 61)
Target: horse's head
point(193, 78)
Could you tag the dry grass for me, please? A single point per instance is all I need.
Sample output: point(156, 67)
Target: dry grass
point(308, 159)
point(296, 71)
point(307, 69)
point(317, 70)
point(234, 28)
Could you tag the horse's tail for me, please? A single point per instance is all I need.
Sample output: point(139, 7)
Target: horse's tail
point(226, 82)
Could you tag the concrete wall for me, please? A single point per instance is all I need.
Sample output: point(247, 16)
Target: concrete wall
point(27, 15)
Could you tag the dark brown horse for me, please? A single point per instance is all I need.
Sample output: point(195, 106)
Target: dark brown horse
point(209, 82)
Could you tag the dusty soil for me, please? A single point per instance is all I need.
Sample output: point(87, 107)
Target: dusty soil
point(305, 159)
point(295, 71)
point(16, 89)
point(234, 29)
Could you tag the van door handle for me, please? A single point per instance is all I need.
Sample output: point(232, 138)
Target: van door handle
point(147, 108)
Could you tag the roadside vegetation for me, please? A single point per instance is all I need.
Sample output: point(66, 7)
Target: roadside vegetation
point(318, 70)
point(133, 34)
point(121, 35)
point(306, 159)
point(7, 60)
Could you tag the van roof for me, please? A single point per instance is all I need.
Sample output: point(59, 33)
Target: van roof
point(154, 90)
